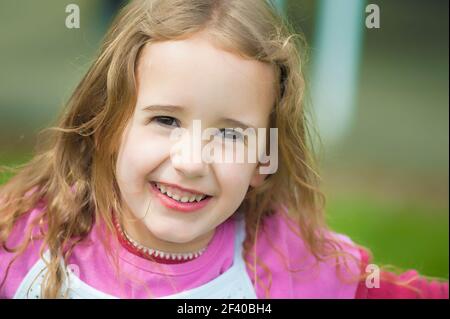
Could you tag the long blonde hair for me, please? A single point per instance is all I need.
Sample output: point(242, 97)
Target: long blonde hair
point(82, 148)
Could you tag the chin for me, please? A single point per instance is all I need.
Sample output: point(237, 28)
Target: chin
point(176, 239)
point(172, 235)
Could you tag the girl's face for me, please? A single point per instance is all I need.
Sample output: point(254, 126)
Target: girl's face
point(179, 82)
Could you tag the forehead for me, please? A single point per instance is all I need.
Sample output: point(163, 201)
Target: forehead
point(210, 81)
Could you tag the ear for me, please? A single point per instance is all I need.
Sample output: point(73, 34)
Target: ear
point(257, 178)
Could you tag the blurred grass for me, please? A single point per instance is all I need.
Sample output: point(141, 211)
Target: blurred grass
point(409, 235)
point(11, 160)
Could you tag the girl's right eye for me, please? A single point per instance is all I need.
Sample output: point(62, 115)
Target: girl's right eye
point(166, 120)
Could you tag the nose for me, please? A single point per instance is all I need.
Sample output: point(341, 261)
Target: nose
point(186, 156)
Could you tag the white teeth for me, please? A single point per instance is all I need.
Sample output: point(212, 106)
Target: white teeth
point(183, 199)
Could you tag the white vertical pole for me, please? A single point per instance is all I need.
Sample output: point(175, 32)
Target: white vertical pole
point(336, 57)
point(281, 5)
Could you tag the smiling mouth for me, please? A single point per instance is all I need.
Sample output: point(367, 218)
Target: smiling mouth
point(179, 196)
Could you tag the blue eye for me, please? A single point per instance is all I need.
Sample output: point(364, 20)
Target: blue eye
point(231, 134)
point(166, 120)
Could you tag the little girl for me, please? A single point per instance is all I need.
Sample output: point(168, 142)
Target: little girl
point(104, 209)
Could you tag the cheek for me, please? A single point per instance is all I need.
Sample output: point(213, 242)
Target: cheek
point(140, 153)
point(234, 179)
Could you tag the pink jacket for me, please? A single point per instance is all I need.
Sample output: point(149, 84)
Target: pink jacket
point(95, 269)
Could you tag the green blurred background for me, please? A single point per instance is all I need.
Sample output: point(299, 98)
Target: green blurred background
point(386, 179)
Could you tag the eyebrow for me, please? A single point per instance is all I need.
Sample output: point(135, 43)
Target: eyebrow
point(167, 108)
point(176, 108)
